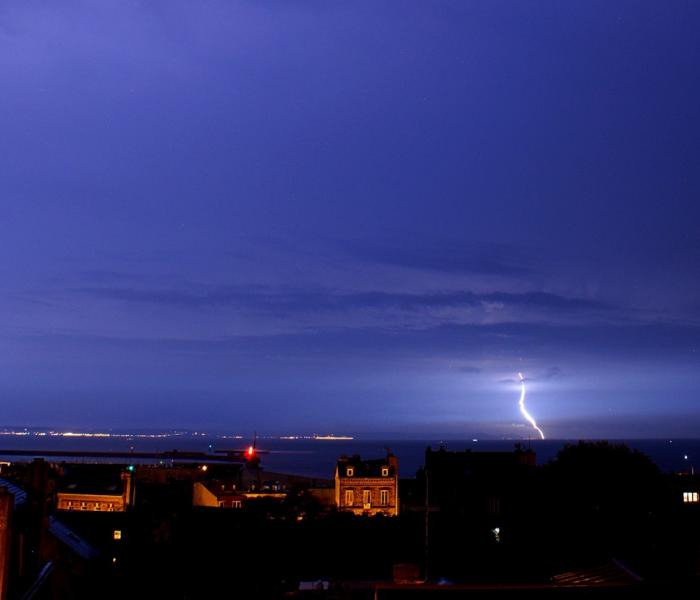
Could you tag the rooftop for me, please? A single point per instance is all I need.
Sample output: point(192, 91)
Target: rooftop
point(367, 468)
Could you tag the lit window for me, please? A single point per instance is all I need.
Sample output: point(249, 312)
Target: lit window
point(236, 504)
point(385, 471)
point(350, 472)
point(691, 497)
point(117, 535)
point(349, 497)
point(384, 497)
point(366, 497)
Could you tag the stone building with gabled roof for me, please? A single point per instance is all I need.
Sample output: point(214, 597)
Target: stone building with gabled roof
point(367, 487)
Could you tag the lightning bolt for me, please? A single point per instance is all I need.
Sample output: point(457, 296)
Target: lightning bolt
point(523, 410)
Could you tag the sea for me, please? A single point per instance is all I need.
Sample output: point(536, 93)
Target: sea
point(317, 457)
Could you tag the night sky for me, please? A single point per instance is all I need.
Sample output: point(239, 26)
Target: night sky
point(299, 216)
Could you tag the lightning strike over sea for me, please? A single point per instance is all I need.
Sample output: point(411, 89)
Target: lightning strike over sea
point(523, 410)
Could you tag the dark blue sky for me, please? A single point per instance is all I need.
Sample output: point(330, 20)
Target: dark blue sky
point(351, 216)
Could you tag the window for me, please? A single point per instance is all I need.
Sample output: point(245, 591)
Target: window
point(350, 471)
point(221, 503)
point(117, 534)
point(385, 471)
point(236, 504)
point(367, 497)
point(349, 497)
point(691, 497)
point(494, 506)
point(384, 497)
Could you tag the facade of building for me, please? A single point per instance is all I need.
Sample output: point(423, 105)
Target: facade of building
point(216, 494)
point(367, 487)
point(6, 508)
point(96, 496)
point(13, 534)
point(477, 497)
point(225, 494)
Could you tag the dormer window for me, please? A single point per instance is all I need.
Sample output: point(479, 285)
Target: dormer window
point(385, 471)
point(350, 471)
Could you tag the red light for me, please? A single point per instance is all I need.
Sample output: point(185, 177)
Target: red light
point(251, 451)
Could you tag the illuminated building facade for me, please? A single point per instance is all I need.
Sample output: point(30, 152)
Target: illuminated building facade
point(217, 494)
point(367, 487)
point(84, 494)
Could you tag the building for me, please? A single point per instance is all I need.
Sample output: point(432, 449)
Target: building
point(217, 494)
point(485, 482)
point(11, 536)
point(484, 488)
point(480, 498)
point(95, 489)
point(367, 487)
point(686, 489)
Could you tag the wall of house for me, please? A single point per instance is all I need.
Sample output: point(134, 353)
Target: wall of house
point(6, 505)
point(374, 485)
point(91, 502)
point(201, 496)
